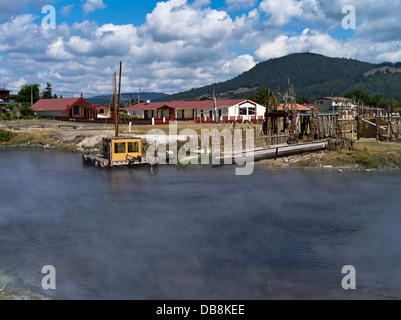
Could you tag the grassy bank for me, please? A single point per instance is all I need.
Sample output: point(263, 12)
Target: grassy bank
point(47, 138)
point(367, 155)
point(6, 136)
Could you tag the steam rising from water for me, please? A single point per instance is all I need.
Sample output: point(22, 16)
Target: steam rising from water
point(193, 233)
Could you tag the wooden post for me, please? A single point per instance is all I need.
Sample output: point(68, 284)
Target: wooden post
point(358, 128)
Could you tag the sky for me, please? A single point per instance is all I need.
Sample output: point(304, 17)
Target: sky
point(172, 46)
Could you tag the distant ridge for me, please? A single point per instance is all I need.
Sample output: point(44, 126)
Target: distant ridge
point(312, 75)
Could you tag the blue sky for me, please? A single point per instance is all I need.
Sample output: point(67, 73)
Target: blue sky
point(175, 45)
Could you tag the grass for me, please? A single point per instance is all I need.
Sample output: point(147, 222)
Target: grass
point(367, 155)
point(6, 136)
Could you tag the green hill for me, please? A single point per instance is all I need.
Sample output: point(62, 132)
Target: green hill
point(125, 97)
point(385, 84)
point(312, 76)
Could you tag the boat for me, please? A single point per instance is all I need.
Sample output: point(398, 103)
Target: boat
point(118, 151)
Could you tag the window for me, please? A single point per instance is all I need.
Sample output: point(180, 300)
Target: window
point(101, 111)
point(252, 111)
point(243, 111)
point(76, 110)
point(120, 147)
point(133, 147)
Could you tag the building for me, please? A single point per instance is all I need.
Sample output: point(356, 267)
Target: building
point(66, 109)
point(4, 99)
point(302, 109)
point(104, 112)
point(333, 104)
point(199, 111)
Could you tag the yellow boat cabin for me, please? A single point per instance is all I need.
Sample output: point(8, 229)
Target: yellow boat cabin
point(118, 151)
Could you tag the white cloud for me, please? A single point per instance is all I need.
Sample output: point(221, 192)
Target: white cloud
point(92, 5)
point(65, 11)
point(239, 65)
point(184, 45)
point(281, 12)
point(313, 41)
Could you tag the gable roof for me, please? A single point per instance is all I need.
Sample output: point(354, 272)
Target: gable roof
point(179, 104)
point(64, 104)
point(300, 107)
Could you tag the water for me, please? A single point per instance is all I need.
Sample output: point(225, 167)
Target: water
point(195, 232)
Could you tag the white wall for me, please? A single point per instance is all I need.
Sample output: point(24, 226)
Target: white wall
point(234, 111)
point(136, 113)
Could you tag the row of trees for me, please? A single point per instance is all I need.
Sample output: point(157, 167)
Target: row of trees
point(27, 95)
point(264, 97)
point(374, 100)
point(31, 93)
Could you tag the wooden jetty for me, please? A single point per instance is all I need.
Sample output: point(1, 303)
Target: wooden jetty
point(275, 152)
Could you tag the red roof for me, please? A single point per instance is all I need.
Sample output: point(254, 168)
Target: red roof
point(205, 104)
point(58, 104)
point(300, 107)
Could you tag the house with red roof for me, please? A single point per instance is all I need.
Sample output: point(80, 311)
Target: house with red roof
point(67, 109)
point(199, 111)
point(302, 109)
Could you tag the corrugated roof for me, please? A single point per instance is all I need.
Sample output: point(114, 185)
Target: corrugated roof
point(54, 104)
point(300, 107)
point(205, 104)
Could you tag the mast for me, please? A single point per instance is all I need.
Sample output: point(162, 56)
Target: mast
point(119, 99)
point(116, 117)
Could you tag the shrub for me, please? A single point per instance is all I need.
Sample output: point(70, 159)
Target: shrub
point(6, 136)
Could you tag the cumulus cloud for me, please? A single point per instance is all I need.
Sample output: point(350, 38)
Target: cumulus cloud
point(183, 45)
point(65, 11)
point(322, 43)
point(92, 5)
point(281, 12)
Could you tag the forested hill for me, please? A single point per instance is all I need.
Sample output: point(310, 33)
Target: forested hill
point(312, 76)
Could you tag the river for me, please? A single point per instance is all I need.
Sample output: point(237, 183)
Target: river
point(196, 232)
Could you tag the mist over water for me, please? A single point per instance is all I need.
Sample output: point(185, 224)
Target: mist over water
point(194, 232)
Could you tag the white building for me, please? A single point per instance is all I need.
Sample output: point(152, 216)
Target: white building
point(199, 111)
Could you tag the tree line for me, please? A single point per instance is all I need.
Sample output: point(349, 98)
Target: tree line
point(28, 94)
point(265, 95)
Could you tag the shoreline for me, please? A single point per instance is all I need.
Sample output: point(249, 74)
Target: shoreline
point(368, 154)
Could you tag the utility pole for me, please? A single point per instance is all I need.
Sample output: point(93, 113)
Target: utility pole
point(215, 105)
point(31, 95)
